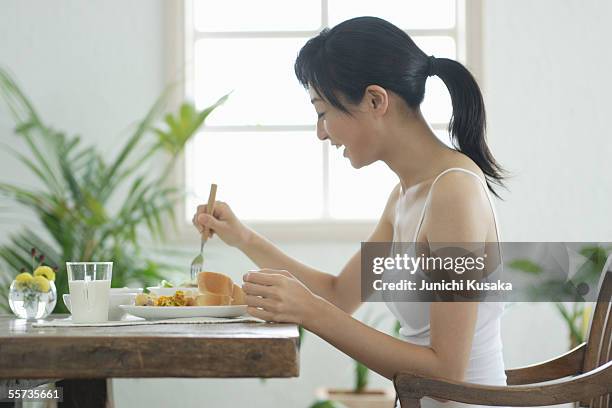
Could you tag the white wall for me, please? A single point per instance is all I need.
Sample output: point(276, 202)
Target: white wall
point(92, 69)
point(548, 87)
point(95, 67)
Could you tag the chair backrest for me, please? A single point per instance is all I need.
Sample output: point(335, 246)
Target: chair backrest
point(599, 342)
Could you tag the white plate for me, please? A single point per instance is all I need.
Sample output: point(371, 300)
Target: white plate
point(173, 312)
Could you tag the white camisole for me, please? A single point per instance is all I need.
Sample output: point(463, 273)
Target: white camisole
point(486, 365)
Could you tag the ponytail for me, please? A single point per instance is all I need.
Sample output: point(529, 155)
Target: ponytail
point(467, 125)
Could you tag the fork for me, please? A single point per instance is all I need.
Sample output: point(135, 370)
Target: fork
point(198, 261)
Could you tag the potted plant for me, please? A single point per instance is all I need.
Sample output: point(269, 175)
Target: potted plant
point(77, 184)
point(360, 396)
point(575, 314)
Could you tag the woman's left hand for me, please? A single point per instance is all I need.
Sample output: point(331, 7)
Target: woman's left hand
point(276, 295)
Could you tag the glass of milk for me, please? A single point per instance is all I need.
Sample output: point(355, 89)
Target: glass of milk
point(89, 284)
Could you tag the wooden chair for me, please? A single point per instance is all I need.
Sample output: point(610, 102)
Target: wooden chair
point(583, 374)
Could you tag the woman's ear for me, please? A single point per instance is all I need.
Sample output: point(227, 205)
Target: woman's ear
point(377, 99)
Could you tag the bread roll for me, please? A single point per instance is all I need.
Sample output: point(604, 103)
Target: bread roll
point(213, 282)
point(212, 299)
point(238, 296)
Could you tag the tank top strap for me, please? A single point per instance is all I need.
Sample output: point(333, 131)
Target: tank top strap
point(428, 198)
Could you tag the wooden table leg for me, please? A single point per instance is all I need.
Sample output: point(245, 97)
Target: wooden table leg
point(83, 393)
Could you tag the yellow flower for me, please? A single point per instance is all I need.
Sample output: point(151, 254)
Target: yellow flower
point(24, 279)
point(45, 271)
point(42, 283)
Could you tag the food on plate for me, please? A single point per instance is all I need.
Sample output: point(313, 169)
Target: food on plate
point(211, 289)
point(179, 298)
point(185, 284)
point(144, 299)
point(238, 295)
point(214, 282)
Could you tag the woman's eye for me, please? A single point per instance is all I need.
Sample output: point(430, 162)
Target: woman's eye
point(320, 115)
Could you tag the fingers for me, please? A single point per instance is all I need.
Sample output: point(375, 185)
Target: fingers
point(219, 208)
point(254, 289)
point(218, 204)
point(260, 314)
point(285, 273)
point(207, 221)
point(260, 307)
point(265, 289)
point(262, 303)
point(203, 229)
point(265, 277)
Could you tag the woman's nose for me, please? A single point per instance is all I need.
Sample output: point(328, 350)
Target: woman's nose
point(321, 132)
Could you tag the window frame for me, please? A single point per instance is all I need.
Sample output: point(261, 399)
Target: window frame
point(179, 43)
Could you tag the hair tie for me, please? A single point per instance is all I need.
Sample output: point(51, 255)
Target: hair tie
point(431, 66)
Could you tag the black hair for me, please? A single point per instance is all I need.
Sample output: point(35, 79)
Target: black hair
point(365, 51)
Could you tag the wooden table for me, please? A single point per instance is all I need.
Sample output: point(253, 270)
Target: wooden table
point(164, 350)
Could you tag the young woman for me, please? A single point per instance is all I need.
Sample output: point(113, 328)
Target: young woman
point(366, 79)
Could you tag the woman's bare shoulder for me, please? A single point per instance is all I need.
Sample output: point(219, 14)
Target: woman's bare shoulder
point(458, 205)
point(461, 161)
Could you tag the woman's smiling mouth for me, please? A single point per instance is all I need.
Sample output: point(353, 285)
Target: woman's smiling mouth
point(339, 145)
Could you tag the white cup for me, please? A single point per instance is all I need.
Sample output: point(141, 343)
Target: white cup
point(89, 284)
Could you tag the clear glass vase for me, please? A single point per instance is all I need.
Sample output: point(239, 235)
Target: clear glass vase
point(30, 303)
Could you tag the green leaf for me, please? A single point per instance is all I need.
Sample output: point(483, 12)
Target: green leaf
point(525, 265)
point(184, 125)
point(571, 323)
point(396, 328)
point(327, 404)
point(42, 176)
point(592, 268)
point(29, 198)
point(361, 376)
point(27, 123)
point(109, 181)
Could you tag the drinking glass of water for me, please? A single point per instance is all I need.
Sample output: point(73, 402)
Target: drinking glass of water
point(89, 284)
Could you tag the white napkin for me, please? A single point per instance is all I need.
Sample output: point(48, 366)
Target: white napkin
point(135, 321)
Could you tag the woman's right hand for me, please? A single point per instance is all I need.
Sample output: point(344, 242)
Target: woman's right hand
point(223, 222)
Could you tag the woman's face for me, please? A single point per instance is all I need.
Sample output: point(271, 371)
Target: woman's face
point(352, 133)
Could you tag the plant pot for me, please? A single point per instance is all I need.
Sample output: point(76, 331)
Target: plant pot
point(377, 398)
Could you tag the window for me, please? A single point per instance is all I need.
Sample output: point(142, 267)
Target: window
point(261, 147)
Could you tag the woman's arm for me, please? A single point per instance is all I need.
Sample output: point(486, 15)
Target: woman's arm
point(452, 327)
point(455, 215)
point(343, 290)
point(224, 223)
point(277, 296)
point(267, 255)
